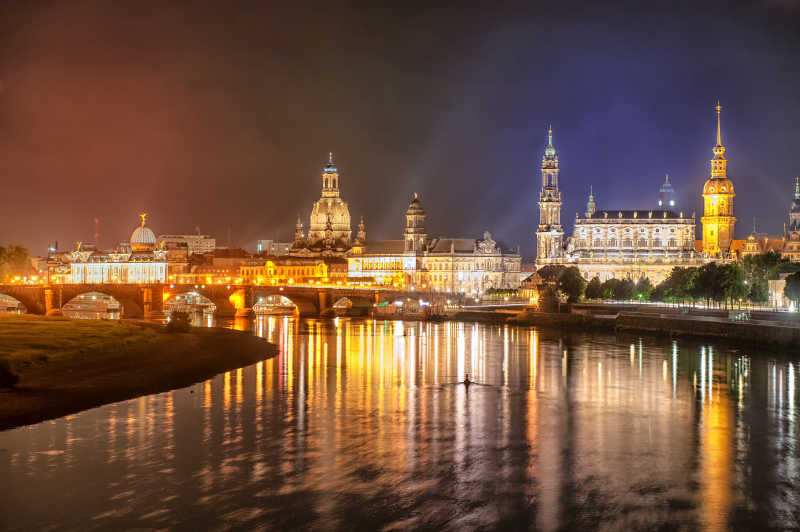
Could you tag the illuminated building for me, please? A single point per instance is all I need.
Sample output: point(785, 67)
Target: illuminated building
point(271, 247)
point(632, 244)
point(451, 265)
point(143, 263)
point(791, 249)
point(210, 274)
point(622, 244)
point(718, 194)
point(550, 234)
point(284, 269)
point(666, 195)
point(194, 243)
point(787, 245)
point(329, 231)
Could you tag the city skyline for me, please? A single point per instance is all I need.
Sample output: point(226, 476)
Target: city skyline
point(235, 137)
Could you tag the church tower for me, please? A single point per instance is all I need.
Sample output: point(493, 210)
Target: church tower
point(591, 206)
point(794, 213)
point(666, 195)
point(550, 235)
point(415, 235)
point(718, 194)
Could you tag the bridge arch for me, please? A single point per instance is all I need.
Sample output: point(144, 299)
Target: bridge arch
point(11, 305)
point(352, 305)
point(306, 303)
point(189, 302)
point(93, 305)
point(30, 297)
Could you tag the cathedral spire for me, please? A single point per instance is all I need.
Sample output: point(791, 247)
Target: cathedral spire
point(718, 163)
point(797, 188)
point(550, 159)
point(591, 207)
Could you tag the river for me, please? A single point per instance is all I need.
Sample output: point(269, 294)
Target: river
point(361, 424)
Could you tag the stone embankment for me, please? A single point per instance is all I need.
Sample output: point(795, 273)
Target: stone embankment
point(777, 329)
point(751, 331)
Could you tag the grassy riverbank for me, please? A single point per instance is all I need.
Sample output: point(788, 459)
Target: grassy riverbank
point(70, 365)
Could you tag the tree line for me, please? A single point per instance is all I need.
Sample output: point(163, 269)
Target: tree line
point(14, 260)
point(724, 285)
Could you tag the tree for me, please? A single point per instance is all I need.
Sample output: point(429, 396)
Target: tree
point(732, 287)
point(792, 288)
point(179, 321)
point(643, 290)
point(607, 289)
point(625, 290)
point(14, 260)
point(759, 269)
point(759, 290)
point(679, 285)
point(617, 289)
point(707, 284)
point(550, 273)
point(571, 284)
point(548, 300)
point(594, 289)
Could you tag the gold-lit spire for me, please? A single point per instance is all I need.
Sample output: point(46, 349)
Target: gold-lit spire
point(550, 134)
point(718, 163)
point(143, 216)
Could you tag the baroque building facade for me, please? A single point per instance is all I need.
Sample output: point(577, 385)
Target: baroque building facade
point(627, 244)
point(632, 244)
point(329, 229)
point(139, 261)
point(464, 266)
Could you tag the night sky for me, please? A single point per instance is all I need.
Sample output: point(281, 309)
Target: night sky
point(221, 117)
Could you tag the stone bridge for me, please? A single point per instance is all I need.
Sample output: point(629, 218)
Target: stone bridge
point(147, 300)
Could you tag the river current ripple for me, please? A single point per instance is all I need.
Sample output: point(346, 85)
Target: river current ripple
point(361, 424)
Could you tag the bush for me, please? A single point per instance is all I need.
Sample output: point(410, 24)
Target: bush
point(8, 379)
point(571, 284)
point(593, 289)
point(179, 322)
point(548, 300)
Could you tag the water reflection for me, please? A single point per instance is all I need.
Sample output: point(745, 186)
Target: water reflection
point(362, 424)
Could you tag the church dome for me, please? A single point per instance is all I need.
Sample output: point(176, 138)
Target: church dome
point(143, 239)
point(415, 207)
point(334, 208)
point(718, 186)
